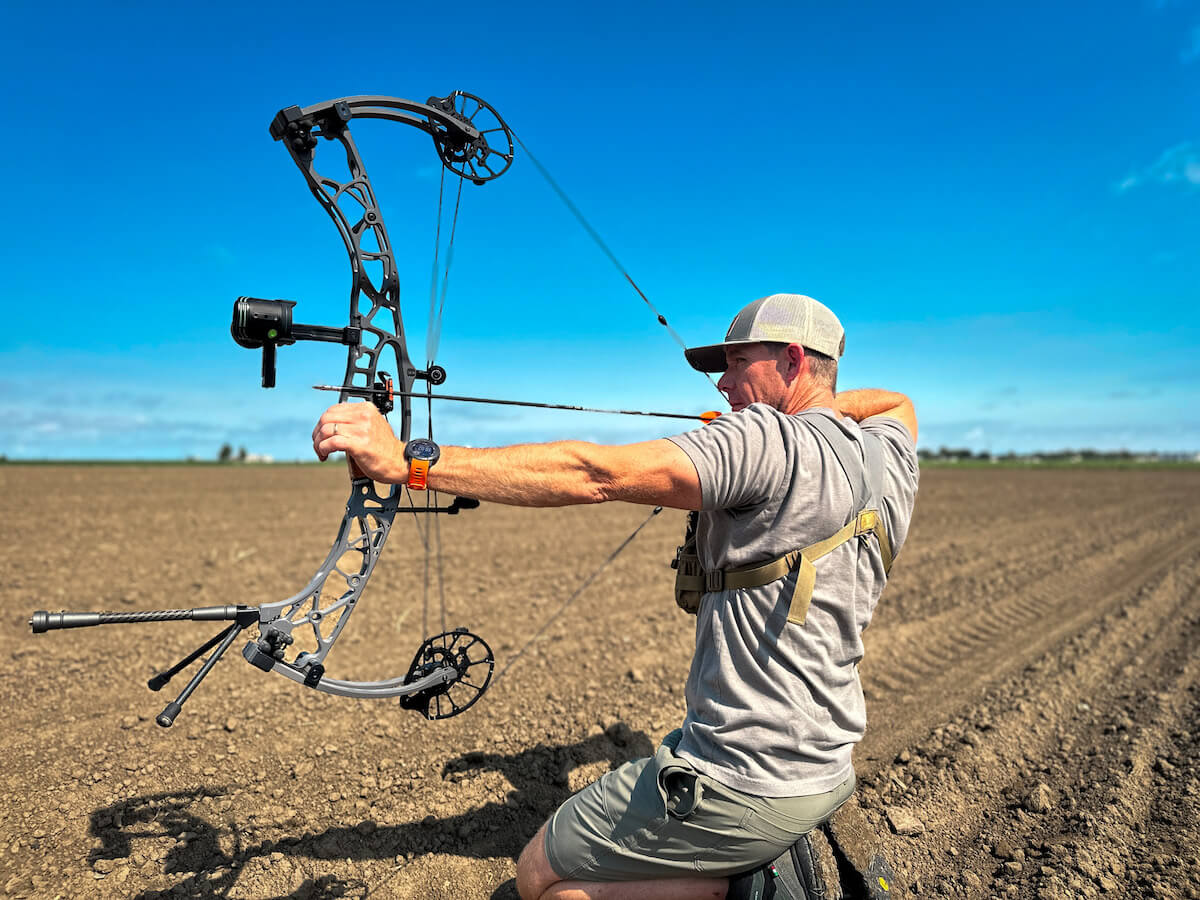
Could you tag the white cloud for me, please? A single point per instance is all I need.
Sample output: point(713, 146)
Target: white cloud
point(1178, 166)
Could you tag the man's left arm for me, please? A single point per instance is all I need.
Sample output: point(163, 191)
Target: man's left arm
point(563, 473)
point(867, 402)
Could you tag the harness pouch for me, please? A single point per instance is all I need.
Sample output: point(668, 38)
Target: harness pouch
point(689, 574)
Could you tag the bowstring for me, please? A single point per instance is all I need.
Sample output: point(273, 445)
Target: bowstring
point(662, 320)
point(605, 249)
point(432, 534)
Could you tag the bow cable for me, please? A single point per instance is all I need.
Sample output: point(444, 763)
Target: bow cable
point(433, 333)
point(431, 534)
point(433, 338)
point(575, 594)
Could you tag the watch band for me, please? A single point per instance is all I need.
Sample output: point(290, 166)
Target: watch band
point(418, 473)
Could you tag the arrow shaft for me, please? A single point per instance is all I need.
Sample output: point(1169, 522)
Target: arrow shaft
point(458, 398)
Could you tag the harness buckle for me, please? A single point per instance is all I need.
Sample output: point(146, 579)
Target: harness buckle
point(865, 522)
point(714, 581)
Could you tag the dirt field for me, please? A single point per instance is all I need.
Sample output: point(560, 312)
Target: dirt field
point(1032, 679)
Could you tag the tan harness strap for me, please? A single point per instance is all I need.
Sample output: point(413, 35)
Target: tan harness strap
point(692, 581)
point(749, 576)
point(885, 544)
point(866, 522)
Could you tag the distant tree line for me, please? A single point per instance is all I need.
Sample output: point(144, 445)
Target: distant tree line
point(226, 454)
point(962, 454)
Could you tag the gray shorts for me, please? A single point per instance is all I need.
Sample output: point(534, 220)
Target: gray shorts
point(660, 818)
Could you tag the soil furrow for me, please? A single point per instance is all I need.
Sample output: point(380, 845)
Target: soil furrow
point(1021, 795)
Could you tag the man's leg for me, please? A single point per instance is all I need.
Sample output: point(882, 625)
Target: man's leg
point(639, 830)
point(537, 880)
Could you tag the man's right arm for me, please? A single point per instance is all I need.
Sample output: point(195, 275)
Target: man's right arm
point(867, 402)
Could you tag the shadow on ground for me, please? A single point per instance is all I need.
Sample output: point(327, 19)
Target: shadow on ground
point(495, 830)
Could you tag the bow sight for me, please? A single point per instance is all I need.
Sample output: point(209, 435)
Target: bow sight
point(268, 324)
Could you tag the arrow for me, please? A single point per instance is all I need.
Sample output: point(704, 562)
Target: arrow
point(705, 417)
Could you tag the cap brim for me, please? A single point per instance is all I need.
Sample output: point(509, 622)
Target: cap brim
point(712, 357)
point(707, 359)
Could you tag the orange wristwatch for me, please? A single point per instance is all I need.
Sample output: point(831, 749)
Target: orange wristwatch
point(420, 454)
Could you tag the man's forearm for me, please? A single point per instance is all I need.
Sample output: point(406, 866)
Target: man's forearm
point(565, 473)
point(556, 474)
point(657, 473)
point(866, 402)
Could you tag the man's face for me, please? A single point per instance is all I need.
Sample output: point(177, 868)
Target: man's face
point(755, 373)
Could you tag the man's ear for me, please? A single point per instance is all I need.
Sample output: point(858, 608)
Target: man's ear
point(797, 362)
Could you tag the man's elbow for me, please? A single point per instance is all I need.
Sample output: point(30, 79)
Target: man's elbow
point(593, 479)
point(907, 414)
point(903, 412)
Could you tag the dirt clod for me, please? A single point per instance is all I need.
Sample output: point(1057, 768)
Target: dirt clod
point(904, 822)
point(1040, 799)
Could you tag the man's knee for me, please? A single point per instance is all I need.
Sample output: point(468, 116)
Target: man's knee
point(534, 872)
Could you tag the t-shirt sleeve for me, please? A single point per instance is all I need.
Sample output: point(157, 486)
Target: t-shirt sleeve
point(739, 458)
point(902, 474)
point(897, 441)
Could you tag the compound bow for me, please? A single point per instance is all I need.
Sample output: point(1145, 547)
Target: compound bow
point(451, 670)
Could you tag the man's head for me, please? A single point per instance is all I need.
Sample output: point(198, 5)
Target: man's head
point(781, 350)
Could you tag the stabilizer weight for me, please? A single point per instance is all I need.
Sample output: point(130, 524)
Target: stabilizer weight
point(42, 621)
point(166, 718)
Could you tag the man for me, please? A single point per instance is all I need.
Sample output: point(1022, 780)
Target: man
point(773, 698)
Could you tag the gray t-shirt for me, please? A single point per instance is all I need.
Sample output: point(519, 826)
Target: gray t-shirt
point(775, 709)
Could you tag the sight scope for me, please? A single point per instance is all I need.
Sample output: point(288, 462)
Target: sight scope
point(268, 324)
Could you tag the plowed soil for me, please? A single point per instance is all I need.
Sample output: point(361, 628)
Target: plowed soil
point(1032, 679)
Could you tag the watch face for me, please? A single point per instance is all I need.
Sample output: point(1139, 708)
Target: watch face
point(422, 448)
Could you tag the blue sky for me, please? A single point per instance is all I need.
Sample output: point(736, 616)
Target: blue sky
point(1001, 203)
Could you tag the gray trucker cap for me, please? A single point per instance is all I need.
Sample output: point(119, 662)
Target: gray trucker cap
point(779, 318)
